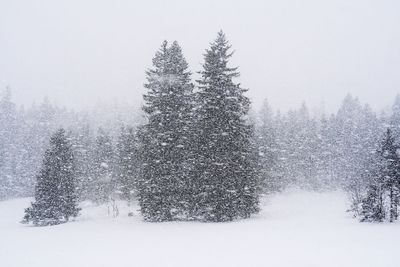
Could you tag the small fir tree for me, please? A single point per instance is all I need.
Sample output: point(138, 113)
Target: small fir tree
point(55, 196)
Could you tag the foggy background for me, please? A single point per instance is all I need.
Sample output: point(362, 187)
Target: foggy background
point(81, 52)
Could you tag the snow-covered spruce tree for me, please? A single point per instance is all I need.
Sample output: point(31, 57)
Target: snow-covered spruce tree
point(227, 180)
point(383, 184)
point(55, 196)
point(165, 140)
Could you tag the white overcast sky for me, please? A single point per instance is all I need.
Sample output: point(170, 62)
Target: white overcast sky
point(79, 52)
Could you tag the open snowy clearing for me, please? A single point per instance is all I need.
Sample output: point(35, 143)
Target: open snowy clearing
point(294, 229)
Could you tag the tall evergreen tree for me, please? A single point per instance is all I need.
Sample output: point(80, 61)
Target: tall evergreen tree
point(166, 139)
point(227, 179)
point(55, 196)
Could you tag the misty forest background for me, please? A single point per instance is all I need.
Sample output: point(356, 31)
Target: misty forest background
point(202, 129)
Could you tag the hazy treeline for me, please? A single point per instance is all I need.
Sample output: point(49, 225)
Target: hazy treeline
point(318, 152)
point(355, 149)
point(25, 134)
point(294, 147)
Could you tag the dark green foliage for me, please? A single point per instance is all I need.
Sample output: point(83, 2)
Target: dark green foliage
point(165, 140)
point(55, 196)
point(226, 182)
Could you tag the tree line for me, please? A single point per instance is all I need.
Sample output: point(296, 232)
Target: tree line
point(200, 153)
point(355, 150)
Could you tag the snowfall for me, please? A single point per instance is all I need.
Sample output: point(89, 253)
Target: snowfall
point(295, 229)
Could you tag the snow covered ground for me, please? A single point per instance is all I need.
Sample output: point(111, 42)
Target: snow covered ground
point(296, 229)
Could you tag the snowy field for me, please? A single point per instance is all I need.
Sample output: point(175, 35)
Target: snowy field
point(296, 229)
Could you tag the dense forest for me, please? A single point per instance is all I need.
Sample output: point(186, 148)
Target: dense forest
point(196, 150)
